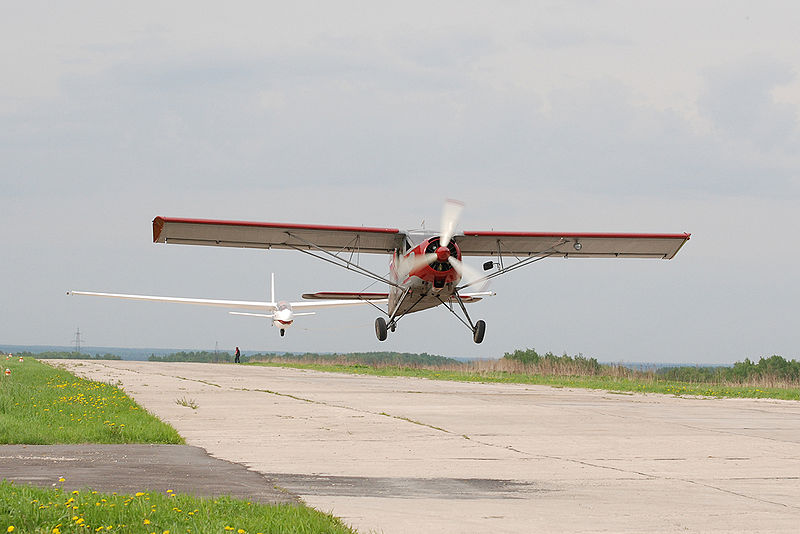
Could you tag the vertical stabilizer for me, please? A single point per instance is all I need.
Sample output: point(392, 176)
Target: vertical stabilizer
point(272, 288)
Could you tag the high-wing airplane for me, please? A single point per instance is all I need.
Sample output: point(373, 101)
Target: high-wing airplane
point(426, 269)
point(281, 312)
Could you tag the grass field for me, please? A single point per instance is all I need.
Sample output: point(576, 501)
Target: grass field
point(488, 372)
point(42, 405)
point(26, 509)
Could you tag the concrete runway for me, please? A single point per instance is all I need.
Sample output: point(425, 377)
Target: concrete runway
point(399, 455)
point(131, 468)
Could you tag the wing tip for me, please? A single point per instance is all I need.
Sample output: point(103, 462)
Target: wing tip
point(158, 226)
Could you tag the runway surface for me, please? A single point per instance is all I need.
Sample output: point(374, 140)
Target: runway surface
point(132, 468)
point(399, 455)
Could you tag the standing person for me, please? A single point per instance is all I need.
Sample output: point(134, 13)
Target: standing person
point(237, 355)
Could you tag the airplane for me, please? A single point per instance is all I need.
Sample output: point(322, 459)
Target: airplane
point(426, 269)
point(282, 312)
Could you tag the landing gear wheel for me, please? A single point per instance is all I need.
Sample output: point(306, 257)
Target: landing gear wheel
point(380, 328)
point(392, 328)
point(480, 330)
point(283, 332)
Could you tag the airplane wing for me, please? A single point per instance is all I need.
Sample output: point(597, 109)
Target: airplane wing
point(585, 245)
point(239, 304)
point(246, 304)
point(245, 234)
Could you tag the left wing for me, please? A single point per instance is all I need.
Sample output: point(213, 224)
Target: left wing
point(589, 245)
point(246, 304)
point(276, 235)
point(240, 304)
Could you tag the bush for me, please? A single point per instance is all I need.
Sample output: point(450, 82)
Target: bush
point(570, 364)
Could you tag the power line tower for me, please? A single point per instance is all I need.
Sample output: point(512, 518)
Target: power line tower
point(77, 340)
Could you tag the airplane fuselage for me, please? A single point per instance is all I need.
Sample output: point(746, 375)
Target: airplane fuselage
point(283, 317)
point(427, 275)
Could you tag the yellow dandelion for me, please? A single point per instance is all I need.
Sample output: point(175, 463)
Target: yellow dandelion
point(10, 528)
point(146, 521)
point(139, 493)
point(61, 479)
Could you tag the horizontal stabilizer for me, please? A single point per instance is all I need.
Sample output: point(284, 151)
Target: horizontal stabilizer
point(264, 315)
point(344, 295)
point(468, 298)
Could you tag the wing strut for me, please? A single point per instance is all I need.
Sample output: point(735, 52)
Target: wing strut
point(533, 258)
point(463, 308)
point(337, 260)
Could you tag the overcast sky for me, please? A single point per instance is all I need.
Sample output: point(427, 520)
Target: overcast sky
point(546, 116)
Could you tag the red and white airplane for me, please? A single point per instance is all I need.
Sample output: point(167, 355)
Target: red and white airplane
point(426, 270)
point(281, 312)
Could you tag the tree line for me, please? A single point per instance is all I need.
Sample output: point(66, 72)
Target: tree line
point(772, 367)
point(63, 355)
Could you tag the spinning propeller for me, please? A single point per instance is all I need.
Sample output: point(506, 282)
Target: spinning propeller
point(444, 253)
point(451, 212)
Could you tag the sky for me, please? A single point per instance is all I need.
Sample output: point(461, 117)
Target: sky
point(540, 116)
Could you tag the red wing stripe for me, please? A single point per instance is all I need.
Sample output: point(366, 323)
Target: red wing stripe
point(343, 295)
point(587, 235)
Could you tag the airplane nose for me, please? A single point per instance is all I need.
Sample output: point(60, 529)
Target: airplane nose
point(442, 254)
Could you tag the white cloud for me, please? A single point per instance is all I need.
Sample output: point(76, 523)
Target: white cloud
point(541, 117)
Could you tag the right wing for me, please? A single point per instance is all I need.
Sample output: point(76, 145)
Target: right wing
point(572, 245)
point(276, 235)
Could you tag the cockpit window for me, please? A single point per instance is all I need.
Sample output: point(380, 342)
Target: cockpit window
point(283, 305)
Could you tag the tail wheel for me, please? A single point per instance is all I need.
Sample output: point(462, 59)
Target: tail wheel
point(380, 328)
point(480, 330)
point(283, 332)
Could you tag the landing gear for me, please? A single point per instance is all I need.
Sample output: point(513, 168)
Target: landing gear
point(393, 327)
point(380, 328)
point(479, 331)
point(283, 332)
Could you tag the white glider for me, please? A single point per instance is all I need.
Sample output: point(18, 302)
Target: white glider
point(282, 313)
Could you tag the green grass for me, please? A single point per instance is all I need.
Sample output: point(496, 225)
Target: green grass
point(609, 383)
point(55, 511)
point(43, 405)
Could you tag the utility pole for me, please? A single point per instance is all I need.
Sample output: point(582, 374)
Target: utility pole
point(77, 340)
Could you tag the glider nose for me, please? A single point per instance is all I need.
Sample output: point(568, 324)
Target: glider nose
point(442, 254)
